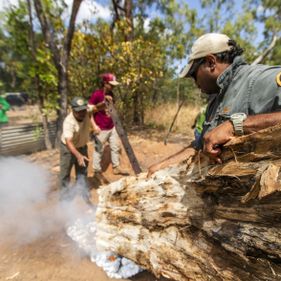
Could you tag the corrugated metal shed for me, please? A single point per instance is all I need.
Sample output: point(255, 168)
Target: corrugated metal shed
point(23, 139)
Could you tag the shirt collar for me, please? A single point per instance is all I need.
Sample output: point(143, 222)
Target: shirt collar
point(226, 77)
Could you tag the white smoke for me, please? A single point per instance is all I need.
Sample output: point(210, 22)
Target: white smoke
point(27, 209)
point(28, 212)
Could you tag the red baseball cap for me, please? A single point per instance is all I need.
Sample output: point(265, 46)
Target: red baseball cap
point(109, 78)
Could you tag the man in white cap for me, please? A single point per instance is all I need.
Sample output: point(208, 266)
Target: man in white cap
point(243, 98)
point(104, 129)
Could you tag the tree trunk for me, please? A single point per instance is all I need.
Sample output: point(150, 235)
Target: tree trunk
point(63, 90)
point(128, 6)
point(200, 221)
point(136, 114)
point(60, 58)
point(32, 45)
point(47, 140)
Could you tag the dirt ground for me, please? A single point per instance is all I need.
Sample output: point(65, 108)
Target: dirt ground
point(55, 257)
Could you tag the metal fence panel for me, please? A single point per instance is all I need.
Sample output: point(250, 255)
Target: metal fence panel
point(24, 139)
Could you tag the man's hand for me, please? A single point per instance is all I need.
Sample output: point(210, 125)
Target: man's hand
point(108, 98)
point(217, 137)
point(96, 129)
point(81, 160)
point(92, 108)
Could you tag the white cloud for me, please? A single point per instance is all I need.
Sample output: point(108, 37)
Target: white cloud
point(7, 3)
point(260, 9)
point(147, 23)
point(89, 9)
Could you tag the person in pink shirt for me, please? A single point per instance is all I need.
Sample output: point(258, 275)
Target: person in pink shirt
point(103, 126)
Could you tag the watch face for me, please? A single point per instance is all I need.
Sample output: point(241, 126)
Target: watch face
point(241, 116)
point(237, 122)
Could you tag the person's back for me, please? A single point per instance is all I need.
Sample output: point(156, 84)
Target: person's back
point(4, 107)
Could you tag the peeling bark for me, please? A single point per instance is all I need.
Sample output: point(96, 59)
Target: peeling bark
point(203, 221)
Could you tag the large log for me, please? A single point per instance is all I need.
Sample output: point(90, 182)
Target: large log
point(202, 221)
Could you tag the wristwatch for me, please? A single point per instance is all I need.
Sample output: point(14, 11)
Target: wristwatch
point(237, 120)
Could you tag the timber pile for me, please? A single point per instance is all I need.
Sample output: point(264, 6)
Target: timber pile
point(202, 221)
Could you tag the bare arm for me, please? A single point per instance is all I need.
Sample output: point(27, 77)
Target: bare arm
point(180, 156)
point(96, 128)
point(224, 132)
point(101, 105)
point(92, 108)
point(80, 158)
point(255, 123)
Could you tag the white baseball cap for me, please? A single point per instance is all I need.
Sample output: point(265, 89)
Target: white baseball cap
point(210, 43)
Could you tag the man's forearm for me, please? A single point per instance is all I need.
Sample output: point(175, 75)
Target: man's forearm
point(225, 131)
point(92, 108)
point(254, 123)
point(72, 148)
point(101, 106)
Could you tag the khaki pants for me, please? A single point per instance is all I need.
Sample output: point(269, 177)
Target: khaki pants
point(67, 161)
point(112, 138)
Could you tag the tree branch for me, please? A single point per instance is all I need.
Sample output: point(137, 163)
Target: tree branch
point(71, 27)
point(260, 58)
point(48, 31)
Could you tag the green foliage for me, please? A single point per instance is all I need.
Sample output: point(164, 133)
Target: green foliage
point(20, 64)
point(14, 51)
point(143, 55)
point(137, 63)
point(269, 15)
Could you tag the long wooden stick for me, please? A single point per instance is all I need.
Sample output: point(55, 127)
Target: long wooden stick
point(124, 138)
point(173, 122)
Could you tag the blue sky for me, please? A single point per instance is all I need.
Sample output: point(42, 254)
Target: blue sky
point(93, 9)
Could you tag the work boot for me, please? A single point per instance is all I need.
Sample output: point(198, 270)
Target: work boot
point(118, 171)
point(99, 179)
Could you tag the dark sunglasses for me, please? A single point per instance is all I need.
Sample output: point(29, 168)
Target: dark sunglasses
point(193, 70)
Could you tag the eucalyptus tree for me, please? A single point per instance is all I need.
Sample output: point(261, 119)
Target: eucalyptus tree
point(151, 45)
point(58, 36)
